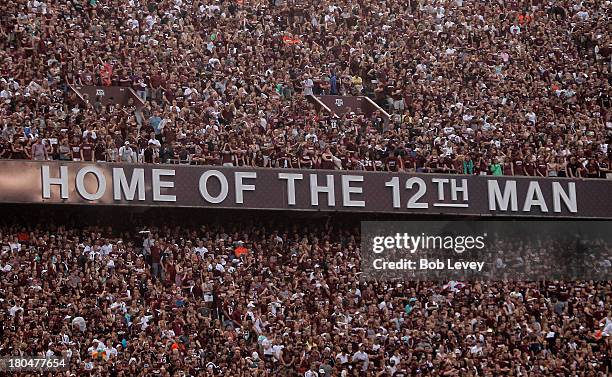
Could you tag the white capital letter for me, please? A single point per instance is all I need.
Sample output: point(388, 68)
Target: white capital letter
point(47, 181)
point(290, 177)
point(440, 182)
point(455, 189)
point(328, 189)
point(568, 198)
point(120, 184)
point(80, 183)
point(204, 190)
point(534, 197)
point(495, 196)
point(158, 184)
point(347, 190)
point(241, 187)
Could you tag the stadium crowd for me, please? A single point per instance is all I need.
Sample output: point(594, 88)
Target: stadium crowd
point(277, 300)
point(473, 87)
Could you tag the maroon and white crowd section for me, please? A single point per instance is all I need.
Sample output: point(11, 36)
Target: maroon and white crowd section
point(248, 299)
point(470, 87)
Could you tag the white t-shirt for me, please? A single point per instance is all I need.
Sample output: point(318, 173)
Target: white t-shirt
point(106, 248)
point(362, 356)
point(308, 85)
point(201, 251)
point(155, 142)
point(126, 154)
point(396, 359)
point(608, 327)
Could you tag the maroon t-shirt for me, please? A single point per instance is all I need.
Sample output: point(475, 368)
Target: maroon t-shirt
point(227, 157)
point(155, 254)
point(392, 163)
point(76, 151)
point(507, 168)
point(409, 162)
point(216, 158)
point(518, 167)
point(368, 165)
point(87, 149)
point(530, 168)
point(542, 168)
point(420, 161)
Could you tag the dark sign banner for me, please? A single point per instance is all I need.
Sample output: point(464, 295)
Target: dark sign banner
point(109, 94)
point(306, 190)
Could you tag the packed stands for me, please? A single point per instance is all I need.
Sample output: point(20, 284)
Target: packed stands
point(471, 87)
point(501, 88)
point(267, 298)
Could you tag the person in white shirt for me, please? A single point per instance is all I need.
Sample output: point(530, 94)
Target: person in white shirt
point(361, 356)
point(126, 153)
point(607, 325)
point(308, 85)
point(342, 358)
point(154, 141)
point(106, 248)
point(90, 133)
point(200, 250)
point(14, 309)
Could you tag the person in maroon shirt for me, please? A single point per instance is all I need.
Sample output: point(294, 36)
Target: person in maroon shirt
point(367, 163)
point(481, 166)
point(393, 163)
point(592, 168)
point(215, 157)
point(100, 150)
point(254, 159)
point(306, 161)
point(420, 161)
point(508, 167)
point(241, 155)
point(446, 165)
point(574, 169)
point(530, 166)
point(87, 150)
point(75, 147)
point(169, 267)
point(541, 167)
point(409, 163)
point(327, 161)
point(227, 157)
point(283, 158)
point(344, 159)
point(155, 261)
point(519, 166)
point(433, 164)
point(604, 166)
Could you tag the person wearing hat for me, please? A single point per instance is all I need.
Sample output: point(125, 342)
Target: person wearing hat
point(126, 153)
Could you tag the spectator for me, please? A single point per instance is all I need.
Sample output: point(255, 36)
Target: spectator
point(126, 153)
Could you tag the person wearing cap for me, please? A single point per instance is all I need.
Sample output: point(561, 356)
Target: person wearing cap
point(126, 153)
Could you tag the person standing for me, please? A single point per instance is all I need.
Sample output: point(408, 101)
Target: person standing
point(308, 86)
point(495, 167)
point(126, 153)
point(39, 151)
